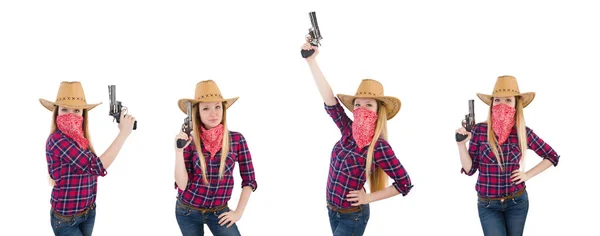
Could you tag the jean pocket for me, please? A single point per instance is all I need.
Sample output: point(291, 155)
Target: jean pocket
point(350, 216)
point(181, 210)
point(59, 222)
point(521, 199)
point(219, 212)
point(482, 203)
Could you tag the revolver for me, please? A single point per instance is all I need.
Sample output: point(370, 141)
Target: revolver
point(315, 35)
point(116, 106)
point(187, 125)
point(468, 122)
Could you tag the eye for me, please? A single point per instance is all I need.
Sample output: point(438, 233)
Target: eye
point(496, 100)
point(205, 109)
point(357, 105)
point(218, 107)
point(77, 110)
point(369, 105)
point(508, 100)
point(63, 110)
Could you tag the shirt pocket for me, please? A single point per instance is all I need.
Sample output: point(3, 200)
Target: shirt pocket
point(508, 152)
point(230, 163)
point(514, 153)
point(354, 166)
point(487, 156)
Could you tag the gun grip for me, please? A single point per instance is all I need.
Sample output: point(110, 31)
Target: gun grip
point(135, 125)
point(181, 143)
point(460, 137)
point(307, 53)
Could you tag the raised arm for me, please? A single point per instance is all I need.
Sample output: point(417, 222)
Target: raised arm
point(183, 161)
point(468, 156)
point(125, 126)
point(318, 76)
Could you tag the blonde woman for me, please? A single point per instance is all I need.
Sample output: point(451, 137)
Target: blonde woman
point(72, 162)
point(497, 149)
point(361, 154)
point(204, 179)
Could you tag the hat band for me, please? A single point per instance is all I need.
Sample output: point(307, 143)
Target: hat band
point(210, 95)
point(70, 99)
point(506, 90)
point(368, 93)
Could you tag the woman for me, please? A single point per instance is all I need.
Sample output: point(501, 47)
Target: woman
point(73, 164)
point(205, 179)
point(498, 153)
point(362, 152)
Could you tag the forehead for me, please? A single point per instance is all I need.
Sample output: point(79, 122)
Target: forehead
point(209, 103)
point(68, 108)
point(364, 100)
point(511, 97)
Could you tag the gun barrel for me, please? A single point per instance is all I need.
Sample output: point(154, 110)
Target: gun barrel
point(112, 90)
point(189, 113)
point(315, 24)
point(472, 107)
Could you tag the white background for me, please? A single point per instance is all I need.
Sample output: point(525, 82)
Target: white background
point(434, 56)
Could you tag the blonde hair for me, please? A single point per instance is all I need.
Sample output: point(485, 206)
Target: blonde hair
point(378, 179)
point(86, 134)
point(521, 133)
point(196, 134)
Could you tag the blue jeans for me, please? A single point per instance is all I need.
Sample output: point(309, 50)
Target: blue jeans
point(503, 218)
point(80, 225)
point(353, 224)
point(191, 221)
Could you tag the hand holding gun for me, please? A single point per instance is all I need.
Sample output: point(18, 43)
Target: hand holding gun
point(468, 122)
point(187, 126)
point(315, 35)
point(116, 106)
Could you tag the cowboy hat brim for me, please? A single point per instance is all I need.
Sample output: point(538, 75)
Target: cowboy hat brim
point(51, 105)
point(181, 103)
point(392, 104)
point(527, 98)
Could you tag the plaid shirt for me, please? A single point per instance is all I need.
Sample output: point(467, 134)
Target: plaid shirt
point(492, 181)
point(75, 172)
point(218, 192)
point(347, 164)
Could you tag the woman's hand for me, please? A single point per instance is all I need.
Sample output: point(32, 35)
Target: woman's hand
point(184, 136)
point(231, 217)
point(463, 131)
point(519, 176)
point(126, 122)
point(359, 197)
point(308, 46)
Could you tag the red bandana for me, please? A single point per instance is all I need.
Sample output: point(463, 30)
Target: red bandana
point(503, 120)
point(212, 139)
point(363, 126)
point(72, 126)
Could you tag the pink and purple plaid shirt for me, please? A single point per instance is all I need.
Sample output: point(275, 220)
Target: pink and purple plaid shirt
point(75, 172)
point(492, 181)
point(347, 164)
point(217, 192)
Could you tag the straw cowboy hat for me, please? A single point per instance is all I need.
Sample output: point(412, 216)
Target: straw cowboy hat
point(206, 91)
point(370, 88)
point(507, 86)
point(71, 95)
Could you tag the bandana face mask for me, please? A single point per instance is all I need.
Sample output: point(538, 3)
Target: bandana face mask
point(503, 120)
point(363, 126)
point(72, 126)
